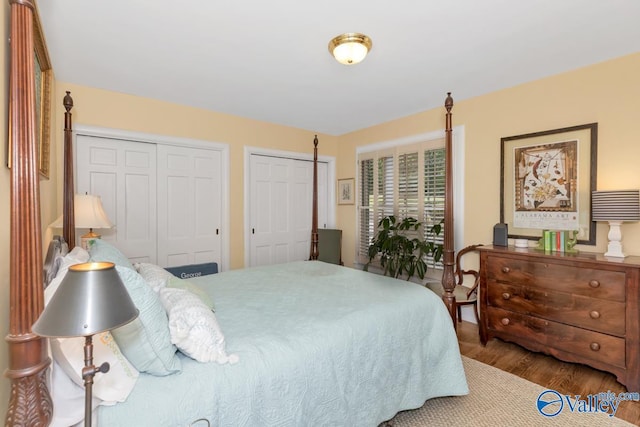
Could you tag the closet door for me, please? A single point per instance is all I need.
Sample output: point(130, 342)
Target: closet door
point(123, 174)
point(189, 205)
point(280, 208)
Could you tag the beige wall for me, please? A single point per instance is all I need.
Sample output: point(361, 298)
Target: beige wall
point(607, 93)
point(94, 107)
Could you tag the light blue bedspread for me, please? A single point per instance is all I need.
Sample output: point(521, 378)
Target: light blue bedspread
point(319, 345)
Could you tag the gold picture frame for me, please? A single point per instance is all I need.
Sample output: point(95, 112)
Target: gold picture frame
point(546, 179)
point(346, 191)
point(43, 78)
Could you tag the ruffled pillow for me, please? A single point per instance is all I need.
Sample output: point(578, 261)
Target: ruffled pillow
point(194, 328)
point(177, 283)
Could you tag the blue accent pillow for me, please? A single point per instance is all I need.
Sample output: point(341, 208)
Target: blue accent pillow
point(146, 341)
point(193, 270)
point(103, 251)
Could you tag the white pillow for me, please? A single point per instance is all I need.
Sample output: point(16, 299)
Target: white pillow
point(115, 385)
point(76, 256)
point(111, 387)
point(194, 328)
point(156, 276)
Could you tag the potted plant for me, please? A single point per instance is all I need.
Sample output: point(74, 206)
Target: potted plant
point(401, 249)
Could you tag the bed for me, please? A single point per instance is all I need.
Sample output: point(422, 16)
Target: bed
point(316, 343)
point(305, 343)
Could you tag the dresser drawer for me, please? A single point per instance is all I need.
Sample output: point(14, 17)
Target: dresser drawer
point(589, 282)
point(595, 314)
point(583, 344)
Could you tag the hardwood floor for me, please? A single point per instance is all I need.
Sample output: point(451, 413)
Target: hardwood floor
point(566, 378)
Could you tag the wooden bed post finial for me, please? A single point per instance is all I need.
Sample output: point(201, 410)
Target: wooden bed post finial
point(314, 216)
point(448, 279)
point(68, 207)
point(448, 103)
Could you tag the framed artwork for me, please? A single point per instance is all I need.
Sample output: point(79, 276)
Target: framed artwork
point(346, 190)
point(43, 79)
point(546, 179)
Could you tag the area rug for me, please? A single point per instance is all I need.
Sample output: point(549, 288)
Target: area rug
point(498, 398)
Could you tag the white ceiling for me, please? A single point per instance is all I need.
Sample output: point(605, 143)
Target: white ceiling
point(268, 60)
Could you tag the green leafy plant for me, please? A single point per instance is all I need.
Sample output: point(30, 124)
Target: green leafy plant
point(399, 252)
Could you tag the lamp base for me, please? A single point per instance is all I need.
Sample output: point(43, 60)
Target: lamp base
point(87, 240)
point(88, 373)
point(614, 249)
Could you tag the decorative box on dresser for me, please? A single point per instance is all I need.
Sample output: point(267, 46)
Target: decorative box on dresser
point(580, 308)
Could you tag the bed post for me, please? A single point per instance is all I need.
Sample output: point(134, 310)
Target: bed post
point(448, 279)
point(68, 217)
point(314, 216)
point(29, 402)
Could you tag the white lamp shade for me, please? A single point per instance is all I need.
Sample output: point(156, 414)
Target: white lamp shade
point(89, 213)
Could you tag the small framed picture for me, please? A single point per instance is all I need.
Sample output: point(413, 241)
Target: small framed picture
point(346, 190)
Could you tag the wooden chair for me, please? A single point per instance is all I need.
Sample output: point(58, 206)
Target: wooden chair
point(330, 246)
point(465, 295)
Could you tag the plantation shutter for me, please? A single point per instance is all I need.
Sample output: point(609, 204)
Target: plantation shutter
point(434, 192)
point(386, 197)
point(407, 181)
point(408, 185)
point(366, 208)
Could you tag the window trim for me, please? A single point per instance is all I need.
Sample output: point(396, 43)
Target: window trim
point(458, 150)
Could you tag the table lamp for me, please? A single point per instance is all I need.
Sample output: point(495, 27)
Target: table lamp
point(88, 213)
point(616, 207)
point(91, 299)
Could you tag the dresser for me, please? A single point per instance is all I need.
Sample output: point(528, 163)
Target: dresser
point(581, 308)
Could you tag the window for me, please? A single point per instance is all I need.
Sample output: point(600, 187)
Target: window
point(406, 180)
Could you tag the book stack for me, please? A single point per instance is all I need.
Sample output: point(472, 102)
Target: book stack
point(555, 240)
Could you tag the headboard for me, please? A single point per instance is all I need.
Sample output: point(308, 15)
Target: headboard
point(58, 248)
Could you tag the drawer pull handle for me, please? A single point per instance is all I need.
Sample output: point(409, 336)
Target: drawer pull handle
point(594, 314)
point(504, 321)
point(506, 295)
point(594, 283)
point(506, 269)
point(595, 346)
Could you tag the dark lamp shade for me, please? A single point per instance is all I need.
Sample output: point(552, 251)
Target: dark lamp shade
point(615, 205)
point(90, 299)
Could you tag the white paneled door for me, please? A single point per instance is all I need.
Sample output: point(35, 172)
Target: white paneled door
point(166, 200)
point(189, 228)
point(123, 174)
point(281, 203)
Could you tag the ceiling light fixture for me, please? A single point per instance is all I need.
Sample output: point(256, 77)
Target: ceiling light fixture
point(350, 48)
